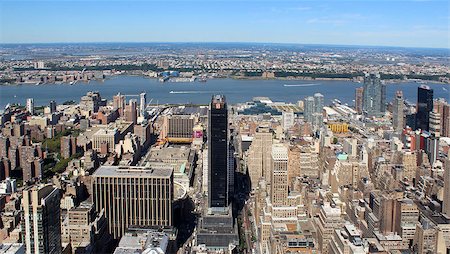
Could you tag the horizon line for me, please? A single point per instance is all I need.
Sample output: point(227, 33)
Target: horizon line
point(225, 42)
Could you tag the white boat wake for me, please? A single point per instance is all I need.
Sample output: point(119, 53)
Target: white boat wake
point(190, 92)
point(300, 85)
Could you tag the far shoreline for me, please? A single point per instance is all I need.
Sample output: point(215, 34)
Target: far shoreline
point(387, 81)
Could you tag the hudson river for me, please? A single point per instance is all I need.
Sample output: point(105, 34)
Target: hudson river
point(200, 92)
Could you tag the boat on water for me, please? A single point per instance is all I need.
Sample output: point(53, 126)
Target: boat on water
point(38, 83)
point(337, 101)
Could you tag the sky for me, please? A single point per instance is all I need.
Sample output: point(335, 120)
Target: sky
point(406, 23)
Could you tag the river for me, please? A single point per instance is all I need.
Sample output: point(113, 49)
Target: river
point(200, 92)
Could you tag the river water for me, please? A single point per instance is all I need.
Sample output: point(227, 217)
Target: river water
point(200, 92)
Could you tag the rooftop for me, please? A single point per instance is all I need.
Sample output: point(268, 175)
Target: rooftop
point(128, 171)
point(147, 242)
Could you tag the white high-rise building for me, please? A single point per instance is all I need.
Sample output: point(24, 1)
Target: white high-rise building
point(259, 156)
point(30, 105)
point(308, 108)
point(288, 119)
point(318, 102)
point(397, 112)
point(39, 65)
point(142, 104)
point(279, 178)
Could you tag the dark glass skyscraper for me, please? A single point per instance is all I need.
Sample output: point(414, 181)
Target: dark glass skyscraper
point(424, 107)
point(218, 152)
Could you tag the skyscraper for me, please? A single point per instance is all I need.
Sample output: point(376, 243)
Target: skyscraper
point(259, 158)
point(41, 218)
point(446, 208)
point(133, 196)
point(30, 106)
point(52, 106)
point(119, 103)
point(318, 102)
point(142, 103)
point(424, 107)
point(288, 119)
point(435, 124)
point(308, 108)
point(218, 153)
point(359, 100)
point(374, 95)
point(312, 112)
point(131, 111)
point(443, 108)
point(397, 114)
point(279, 179)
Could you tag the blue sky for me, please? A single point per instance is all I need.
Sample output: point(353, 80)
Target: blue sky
point(411, 23)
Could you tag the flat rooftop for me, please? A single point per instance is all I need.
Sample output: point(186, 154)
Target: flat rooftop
point(169, 153)
point(127, 171)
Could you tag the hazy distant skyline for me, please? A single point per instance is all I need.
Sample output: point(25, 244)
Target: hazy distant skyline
point(407, 23)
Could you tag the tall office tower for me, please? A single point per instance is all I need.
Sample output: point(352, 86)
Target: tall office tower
point(397, 114)
point(218, 153)
point(387, 214)
point(133, 196)
point(425, 240)
point(408, 216)
point(179, 128)
point(328, 220)
point(374, 95)
point(388, 211)
point(41, 218)
point(52, 106)
point(408, 159)
point(309, 161)
point(131, 111)
point(317, 117)
point(308, 110)
point(359, 99)
point(142, 104)
point(446, 201)
point(259, 156)
point(435, 124)
point(287, 119)
point(432, 148)
point(424, 107)
point(119, 103)
point(318, 102)
point(30, 106)
point(279, 179)
point(443, 108)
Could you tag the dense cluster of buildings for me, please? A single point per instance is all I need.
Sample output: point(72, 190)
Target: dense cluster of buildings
point(178, 63)
point(67, 174)
point(369, 179)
